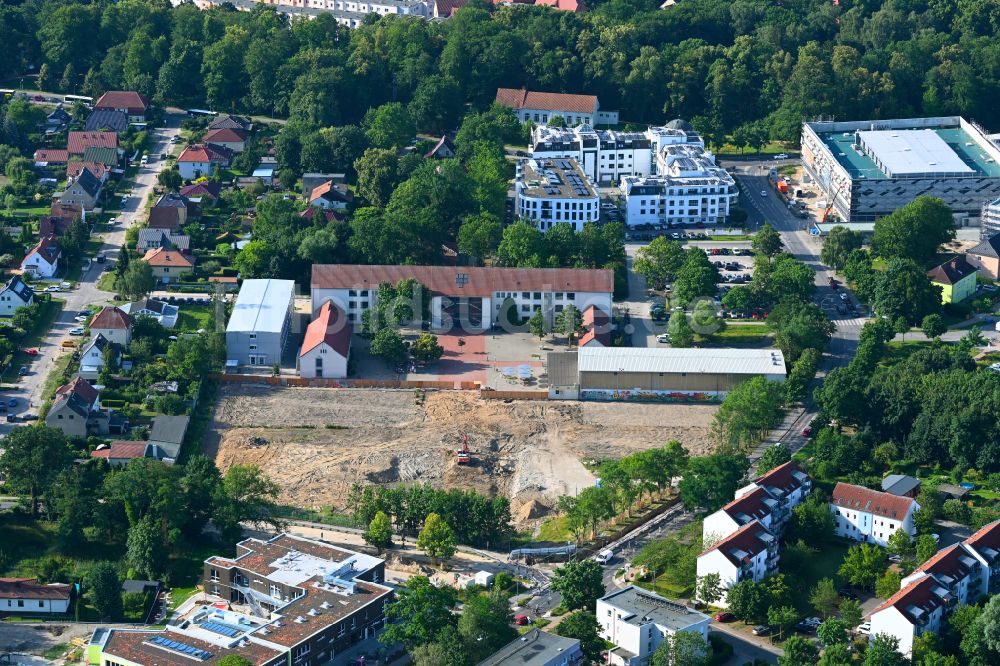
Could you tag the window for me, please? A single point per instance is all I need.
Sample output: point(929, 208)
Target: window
point(253, 347)
point(352, 292)
point(364, 292)
point(322, 350)
point(213, 574)
point(538, 295)
point(352, 305)
point(20, 603)
point(525, 294)
point(253, 336)
point(41, 604)
point(571, 296)
point(302, 650)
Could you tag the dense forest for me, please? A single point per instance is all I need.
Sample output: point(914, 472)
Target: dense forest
point(731, 66)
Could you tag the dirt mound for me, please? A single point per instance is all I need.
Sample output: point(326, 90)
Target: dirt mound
point(530, 510)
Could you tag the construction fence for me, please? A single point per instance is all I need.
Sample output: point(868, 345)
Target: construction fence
point(302, 382)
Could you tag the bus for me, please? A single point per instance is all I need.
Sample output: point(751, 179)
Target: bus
point(6, 93)
point(201, 112)
point(72, 99)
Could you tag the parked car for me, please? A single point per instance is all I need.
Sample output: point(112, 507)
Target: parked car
point(521, 620)
point(663, 337)
point(804, 628)
point(807, 431)
point(844, 297)
point(100, 258)
point(31, 351)
point(763, 193)
point(761, 630)
point(847, 594)
point(80, 318)
point(12, 402)
point(865, 628)
point(76, 331)
point(781, 156)
point(724, 616)
point(22, 371)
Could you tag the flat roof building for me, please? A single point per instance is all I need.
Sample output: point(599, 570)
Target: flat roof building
point(547, 192)
point(537, 648)
point(261, 320)
point(870, 168)
point(637, 621)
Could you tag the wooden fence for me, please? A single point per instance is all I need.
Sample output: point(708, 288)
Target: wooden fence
point(303, 382)
point(490, 394)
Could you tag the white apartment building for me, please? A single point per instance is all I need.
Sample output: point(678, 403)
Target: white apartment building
point(637, 621)
point(870, 516)
point(349, 13)
point(547, 192)
point(689, 189)
point(768, 499)
point(749, 553)
point(916, 609)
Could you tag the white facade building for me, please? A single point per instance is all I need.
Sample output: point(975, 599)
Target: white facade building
point(749, 553)
point(327, 344)
point(541, 107)
point(916, 609)
point(547, 192)
point(348, 13)
point(24, 596)
point(768, 499)
point(637, 621)
point(870, 516)
point(15, 295)
point(261, 321)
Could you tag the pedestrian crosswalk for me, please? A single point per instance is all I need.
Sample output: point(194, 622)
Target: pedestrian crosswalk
point(846, 322)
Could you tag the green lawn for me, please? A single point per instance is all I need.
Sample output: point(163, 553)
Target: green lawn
point(742, 334)
point(901, 350)
point(106, 282)
point(194, 317)
point(555, 530)
point(823, 563)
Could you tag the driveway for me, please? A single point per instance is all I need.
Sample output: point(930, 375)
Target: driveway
point(86, 293)
point(746, 647)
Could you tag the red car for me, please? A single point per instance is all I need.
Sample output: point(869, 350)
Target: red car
point(31, 351)
point(521, 620)
point(724, 617)
point(807, 431)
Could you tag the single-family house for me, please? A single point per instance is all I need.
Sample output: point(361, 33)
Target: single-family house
point(76, 410)
point(135, 105)
point(563, 5)
point(329, 214)
point(229, 121)
point(327, 344)
point(443, 149)
point(114, 324)
point(58, 118)
point(163, 312)
point(263, 174)
point(201, 159)
point(43, 259)
point(84, 190)
point(749, 553)
point(186, 211)
point(870, 516)
point(597, 327)
point(984, 257)
point(537, 648)
point(166, 218)
point(168, 265)
point(150, 239)
point(957, 279)
point(167, 436)
point(15, 295)
point(636, 621)
point(28, 596)
point(59, 219)
point(50, 157)
point(330, 195)
point(310, 181)
point(121, 453)
point(540, 107)
point(92, 356)
point(107, 120)
point(233, 139)
point(260, 322)
point(903, 485)
point(78, 142)
point(98, 169)
point(206, 194)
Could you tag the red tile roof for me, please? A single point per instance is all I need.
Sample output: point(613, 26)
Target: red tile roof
point(563, 5)
point(782, 477)
point(163, 257)
point(520, 98)
point(918, 594)
point(51, 156)
point(871, 501)
point(598, 326)
point(330, 214)
point(30, 588)
point(201, 152)
point(48, 248)
point(122, 450)
point(329, 326)
point(987, 538)
point(80, 141)
point(210, 189)
point(947, 562)
point(79, 387)
point(746, 539)
point(465, 280)
point(111, 318)
point(74, 168)
point(224, 135)
point(123, 99)
point(753, 504)
point(329, 190)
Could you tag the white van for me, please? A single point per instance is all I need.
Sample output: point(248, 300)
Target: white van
point(604, 556)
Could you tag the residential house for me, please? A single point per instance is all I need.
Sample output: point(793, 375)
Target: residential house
point(28, 596)
point(167, 436)
point(78, 142)
point(443, 149)
point(310, 181)
point(109, 157)
point(163, 312)
point(263, 174)
point(329, 195)
point(58, 118)
point(957, 279)
point(598, 328)
point(114, 324)
point(955, 568)
point(916, 609)
point(540, 107)
point(201, 159)
point(205, 194)
point(98, 169)
point(537, 648)
point(749, 553)
point(59, 219)
point(76, 410)
point(84, 190)
point(902, 485)
point(756, 505)
point(153, 238)
point(186, 211)
point(330, 214)
point(107, 120)
point(327, 344)
point(260, 322)
point(92, 356)
point(984, 545)
point(121, 453)
point(768, 499)
point(563, 5)
point(870, 516)
point(133, 104)
point(229, 121)
point(233, 139)
point(43, 259)
point(636, 621)
point(984, 257)
point(45, 157)
point(166, 218)
point(15, 295)
point(168, 265)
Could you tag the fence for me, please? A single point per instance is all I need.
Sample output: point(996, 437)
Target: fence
point(302, 382)
point(491, 394)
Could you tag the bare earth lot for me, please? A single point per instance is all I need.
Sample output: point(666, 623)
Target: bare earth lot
point(316, 442)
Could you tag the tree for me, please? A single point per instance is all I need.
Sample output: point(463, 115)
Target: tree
point(569, 321)
point(710, 588)
point(246, 495)
point(145, 551)
point(581, 583)
point(235, 660)
point(767, 241)
point(782, 618)
point(803, 372)
point(933, 325)
point(582, 626)
point(448, 649)
point(437, 104)
point(379, 532)
point(904, 290)
point(31, 460)
point(836, 655)
point(389, 126)
point(136, 281)
point(748, 413)
point(170, 179)
point(683, 647)
point(888, 584)
point(485, 624)
point(749, 600)
point(480, 235)
point(833, 632)
point(536, 324)
point(696, 277)
point(710, 481)
point(522, 246)
point(105, 590)
point(851, 612)
point(981, 641)
point(883, 650)
point(825, 598)
point(422, 611)
point(436, 538)
point(388, 344)
point(863, 565)
point(378, 175)
point(915, 231)
point(900, 544)
point(838, 245)
point(773, 456)
point(926, 548)
point(798, 651)
point(679, 330)
point(426, 348)
point(659, 261)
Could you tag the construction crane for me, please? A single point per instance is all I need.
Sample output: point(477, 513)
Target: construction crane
point(829, 208)
point(462, 455)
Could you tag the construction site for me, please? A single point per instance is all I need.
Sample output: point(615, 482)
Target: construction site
point(317, 442)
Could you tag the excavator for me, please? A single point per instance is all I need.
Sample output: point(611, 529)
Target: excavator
point(462, 455)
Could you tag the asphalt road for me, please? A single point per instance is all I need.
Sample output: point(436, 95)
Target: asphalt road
point(87, 293)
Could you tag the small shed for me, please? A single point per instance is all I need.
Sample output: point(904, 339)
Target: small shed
point(484, 578)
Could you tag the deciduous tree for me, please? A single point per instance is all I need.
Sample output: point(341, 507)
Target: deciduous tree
point(436, 538)
point(580, 582)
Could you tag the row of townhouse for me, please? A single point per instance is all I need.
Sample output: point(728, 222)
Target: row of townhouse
point(871, 516)
point(741, 538)
point(961, 574)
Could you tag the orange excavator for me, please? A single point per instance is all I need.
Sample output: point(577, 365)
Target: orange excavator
point(462, 455)
point(829, 208)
